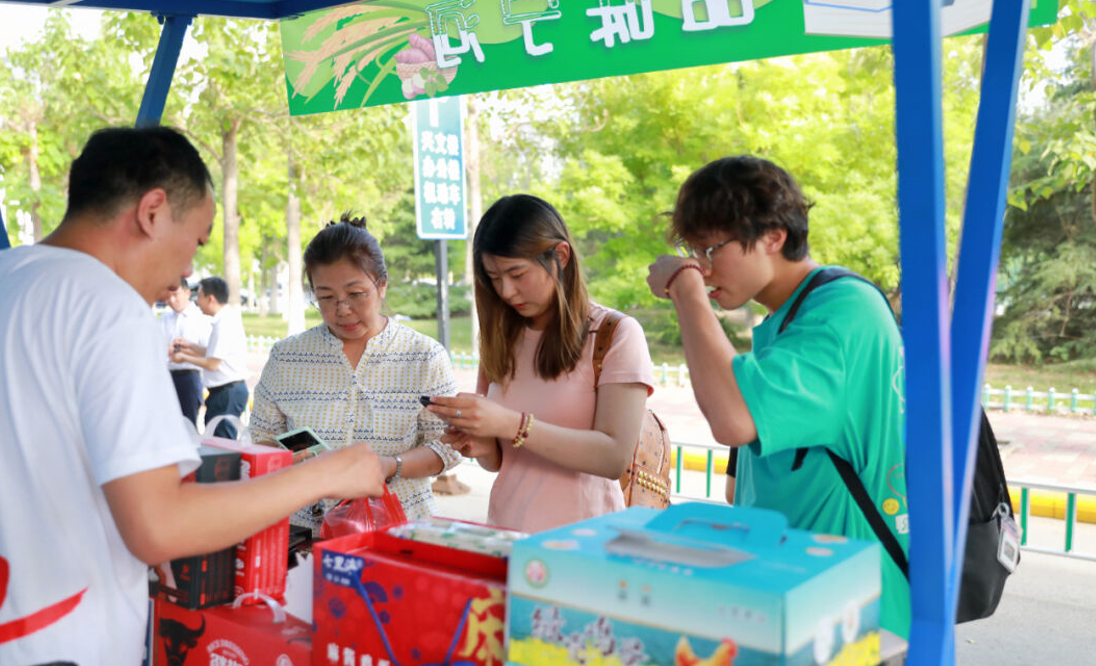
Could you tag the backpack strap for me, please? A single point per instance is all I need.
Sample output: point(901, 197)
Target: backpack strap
point(824, 276)
point(878, 525)
point(603, 339)
point(844, 469)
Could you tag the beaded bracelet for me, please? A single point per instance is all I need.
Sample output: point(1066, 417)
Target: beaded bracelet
point(673, 276)
point(523, 429)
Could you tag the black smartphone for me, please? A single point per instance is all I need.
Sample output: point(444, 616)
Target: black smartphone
point(300, 439)
point(425, 400)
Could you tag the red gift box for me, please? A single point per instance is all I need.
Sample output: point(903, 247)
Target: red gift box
point(378, 600)
point(262, 559)
point(229, 636)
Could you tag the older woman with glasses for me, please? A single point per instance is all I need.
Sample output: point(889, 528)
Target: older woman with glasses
point(358, 375)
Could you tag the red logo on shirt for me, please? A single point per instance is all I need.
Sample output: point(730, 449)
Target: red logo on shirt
point(9, 631)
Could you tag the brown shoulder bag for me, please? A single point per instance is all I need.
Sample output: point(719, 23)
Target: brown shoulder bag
point(646, 482)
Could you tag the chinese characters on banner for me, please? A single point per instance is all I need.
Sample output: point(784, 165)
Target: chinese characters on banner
point(440, 210)
point(399, 50)
point(611, 21)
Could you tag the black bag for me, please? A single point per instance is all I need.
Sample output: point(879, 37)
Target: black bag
point(992, 550)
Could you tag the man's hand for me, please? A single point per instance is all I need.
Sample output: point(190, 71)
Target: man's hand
point(184, 346)
point(349, 473)
point(660, 272)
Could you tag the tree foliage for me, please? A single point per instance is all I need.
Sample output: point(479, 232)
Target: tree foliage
point(609, 153)
point(1048, 255)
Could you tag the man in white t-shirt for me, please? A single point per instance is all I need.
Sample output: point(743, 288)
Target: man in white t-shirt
point(223, 361)
point(184, 320)
point(93, 449)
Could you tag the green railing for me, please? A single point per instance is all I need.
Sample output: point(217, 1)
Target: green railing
point(1050, 401)
point(682, 491)
point(1071, 493)
point(1030, 400)
point(709, 451)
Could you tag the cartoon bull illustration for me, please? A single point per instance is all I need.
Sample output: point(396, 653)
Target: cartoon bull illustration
point(179, 639)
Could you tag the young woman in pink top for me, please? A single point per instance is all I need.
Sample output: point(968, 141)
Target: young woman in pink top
point(558, 443)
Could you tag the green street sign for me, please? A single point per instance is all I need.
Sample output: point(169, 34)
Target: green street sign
point(387, 51)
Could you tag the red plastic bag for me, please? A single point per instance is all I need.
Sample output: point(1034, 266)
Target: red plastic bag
point(362, 515)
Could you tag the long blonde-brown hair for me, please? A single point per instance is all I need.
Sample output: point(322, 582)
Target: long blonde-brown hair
point(522, 226)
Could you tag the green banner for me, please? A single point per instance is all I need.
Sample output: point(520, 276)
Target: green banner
point(387, 51)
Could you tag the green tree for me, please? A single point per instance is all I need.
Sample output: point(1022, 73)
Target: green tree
point(613, 166)
point(54, 91)
point(1048, 256)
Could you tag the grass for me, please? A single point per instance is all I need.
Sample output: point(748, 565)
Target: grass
point(1061, 377)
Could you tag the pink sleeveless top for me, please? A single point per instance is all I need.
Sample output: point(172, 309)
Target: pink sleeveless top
point(533, 494)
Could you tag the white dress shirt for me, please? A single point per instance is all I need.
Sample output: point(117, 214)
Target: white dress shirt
point(191, 325)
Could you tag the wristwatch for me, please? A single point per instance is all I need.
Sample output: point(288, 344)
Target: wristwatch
point(399, 468)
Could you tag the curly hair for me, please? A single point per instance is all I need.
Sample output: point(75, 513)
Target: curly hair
point(744, 196)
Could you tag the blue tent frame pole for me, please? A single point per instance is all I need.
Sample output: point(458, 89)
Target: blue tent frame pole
point(980, 246)
point(918, 113)
point(163, 69)
point(4, 242)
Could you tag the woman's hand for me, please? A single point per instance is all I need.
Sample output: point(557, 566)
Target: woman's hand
point(475, 415)
point(469, 446)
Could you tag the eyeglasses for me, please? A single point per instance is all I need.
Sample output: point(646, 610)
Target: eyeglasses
point(353, 300)
point(685, 250)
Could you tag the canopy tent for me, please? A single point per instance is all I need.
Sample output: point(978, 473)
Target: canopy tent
point(946, 353)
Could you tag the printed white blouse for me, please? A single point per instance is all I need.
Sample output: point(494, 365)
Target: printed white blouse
point(308, 381)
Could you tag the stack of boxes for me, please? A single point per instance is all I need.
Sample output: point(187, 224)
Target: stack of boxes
point(262, 559)
point(201, 581)
point(191, 623)
point(691, 585)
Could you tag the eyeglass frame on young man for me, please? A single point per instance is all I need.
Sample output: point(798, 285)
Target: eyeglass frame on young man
point(685, 250)
point(352, 301)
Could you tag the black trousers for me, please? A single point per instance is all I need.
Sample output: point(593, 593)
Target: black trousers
point(188, 386)
point(226, 399)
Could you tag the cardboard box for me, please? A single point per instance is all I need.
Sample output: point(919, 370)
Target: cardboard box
point(261, 560)
point(207, 580)
point(380, 600)
point(229, 636)
point(692, 585)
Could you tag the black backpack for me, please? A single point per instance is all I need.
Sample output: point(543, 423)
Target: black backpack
point(992, 550)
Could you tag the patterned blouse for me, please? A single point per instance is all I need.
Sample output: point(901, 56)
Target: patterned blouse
point(308, 381)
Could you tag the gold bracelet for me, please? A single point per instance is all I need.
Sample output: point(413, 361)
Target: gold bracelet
point(523, 429)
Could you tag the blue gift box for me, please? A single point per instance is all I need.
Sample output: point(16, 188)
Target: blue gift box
point(692, 585)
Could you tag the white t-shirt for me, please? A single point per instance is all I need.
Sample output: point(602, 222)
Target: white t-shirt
point(190, 324)
point(227, 342)
point(84, 399)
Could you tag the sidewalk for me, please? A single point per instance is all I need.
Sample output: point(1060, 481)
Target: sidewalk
point(1045, 449)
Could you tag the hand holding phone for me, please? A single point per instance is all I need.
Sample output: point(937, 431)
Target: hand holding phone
point(303, 442)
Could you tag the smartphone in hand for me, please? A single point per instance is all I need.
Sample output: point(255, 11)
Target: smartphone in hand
point(303, 442)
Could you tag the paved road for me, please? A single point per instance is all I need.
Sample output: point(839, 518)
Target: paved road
point(1047, 617)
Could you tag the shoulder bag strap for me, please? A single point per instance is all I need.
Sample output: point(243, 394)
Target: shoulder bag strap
point(603, 339)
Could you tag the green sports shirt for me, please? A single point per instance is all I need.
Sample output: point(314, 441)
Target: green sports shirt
point(833, 379)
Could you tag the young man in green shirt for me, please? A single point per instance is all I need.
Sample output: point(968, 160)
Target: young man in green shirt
point(832, 379)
